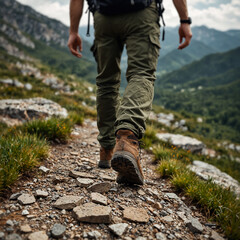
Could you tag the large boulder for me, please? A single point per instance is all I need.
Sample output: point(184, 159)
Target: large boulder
point(32, 108)
point(187, 143)
point(208, 171)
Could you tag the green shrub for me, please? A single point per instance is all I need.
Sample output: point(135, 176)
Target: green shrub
point(149, 136)
point(76, 118)
point(160, 153)
point(52, 129)
point(19, 154)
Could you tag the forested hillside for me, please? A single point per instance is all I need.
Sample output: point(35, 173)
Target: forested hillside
point(209, 87)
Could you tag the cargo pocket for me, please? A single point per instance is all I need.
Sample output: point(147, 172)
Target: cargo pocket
point(154, 50)
point(94, 50)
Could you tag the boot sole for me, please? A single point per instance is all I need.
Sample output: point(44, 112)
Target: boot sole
point(125, 164)
point(104, 164)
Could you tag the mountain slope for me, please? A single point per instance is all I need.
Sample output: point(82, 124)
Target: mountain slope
point(209, 87)
point(42, 38)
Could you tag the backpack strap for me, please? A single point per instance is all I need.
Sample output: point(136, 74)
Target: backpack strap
point(161, 9)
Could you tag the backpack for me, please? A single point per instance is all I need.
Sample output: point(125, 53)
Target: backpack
point(114, 7)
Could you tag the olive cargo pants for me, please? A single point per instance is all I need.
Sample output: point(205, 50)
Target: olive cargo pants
point(140, 32)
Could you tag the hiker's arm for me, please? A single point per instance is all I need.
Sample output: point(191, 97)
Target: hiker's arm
point(184, 29)
point(74, 41)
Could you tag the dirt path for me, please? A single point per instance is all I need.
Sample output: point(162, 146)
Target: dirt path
point(105, 210)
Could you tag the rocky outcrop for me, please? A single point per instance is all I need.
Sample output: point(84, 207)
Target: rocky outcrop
point(187, 143)
point(208, 171)
point(32, 108)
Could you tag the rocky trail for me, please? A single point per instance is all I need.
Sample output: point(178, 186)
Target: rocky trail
point(70, 198)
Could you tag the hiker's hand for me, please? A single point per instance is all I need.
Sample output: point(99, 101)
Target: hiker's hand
point(75, 44)
point(184, 32)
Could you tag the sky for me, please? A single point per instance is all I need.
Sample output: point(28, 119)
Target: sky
point(219, 14)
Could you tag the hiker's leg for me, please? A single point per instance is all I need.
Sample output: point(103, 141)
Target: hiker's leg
point(107, 50)
point(142, 43)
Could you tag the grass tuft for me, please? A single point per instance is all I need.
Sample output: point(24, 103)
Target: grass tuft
point(221, 203)
point(149, 137)
point(18, 154)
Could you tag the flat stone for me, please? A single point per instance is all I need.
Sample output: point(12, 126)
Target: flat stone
point(141, 238)
point(40, 193)
point(215, 236)
point(107, 177)
point(135, 214)
point(99, 198)
point(141, 192)
point(84, 182)
point(41, 235)
point(100, 187)
point(172, 196)
point(25, 228)
point(2, 236)
point(68, 202)
point(25, 212)
point(26, 199)
point(44, 169)
point(15, 196)
point(13, 236)
point(93, 213)
point(58, 230)
point(161, 236)
point(167, 218)
point(76, 174)
point(118, 228)
point(194, 225)
point(1, 213)
point(9, 222)
point(94, 235)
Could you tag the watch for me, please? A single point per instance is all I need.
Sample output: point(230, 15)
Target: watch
point(188, 21)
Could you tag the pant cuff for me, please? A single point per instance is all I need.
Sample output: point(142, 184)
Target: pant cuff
point(130, 127)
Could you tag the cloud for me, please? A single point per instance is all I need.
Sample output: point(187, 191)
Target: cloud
point(218, 14)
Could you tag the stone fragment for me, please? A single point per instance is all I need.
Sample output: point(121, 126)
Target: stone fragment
point(58, 230)
point(25, 212)
point(157, 205)
point(44, 169)
point(94, 235)
point(100, 187)
point(107, 177)
point(15, 196)
point(2, 236)
point(93, 213)
point(141, 192)
point(172, 196)
point(215, 236)
point(25, 228)
point(135, 214)
point(41, 235)
point(1, 213)
point(127, 194)
point(167, 218)
point(194, 225)
point(9, 222)
point(76, 174)
point(26, 199)
point(68, 202)
point(118, 228)
point(161, 236)
point(99, 198)
point(84, 182)
point(40, 193)
point(13, 236)
point(28, 86)
point(141, 238)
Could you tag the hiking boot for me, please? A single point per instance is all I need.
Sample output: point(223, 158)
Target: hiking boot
point(105, 158)
point(126, 158)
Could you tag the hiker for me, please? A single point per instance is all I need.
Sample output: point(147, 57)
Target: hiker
point(121, 123)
